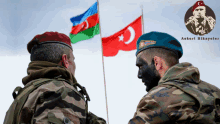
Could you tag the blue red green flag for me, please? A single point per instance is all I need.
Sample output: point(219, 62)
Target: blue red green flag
point(86, 25)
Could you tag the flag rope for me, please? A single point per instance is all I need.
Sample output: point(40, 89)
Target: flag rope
point(103, 66)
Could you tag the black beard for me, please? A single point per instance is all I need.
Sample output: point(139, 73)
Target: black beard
point(150, 76)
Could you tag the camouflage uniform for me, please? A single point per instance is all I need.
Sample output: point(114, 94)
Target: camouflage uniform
point(54, 102)
point(205, 27)
point(50, 93)
point(180, 97)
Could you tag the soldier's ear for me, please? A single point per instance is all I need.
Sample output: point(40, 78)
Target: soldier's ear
point(158, 63)
point(65, 61)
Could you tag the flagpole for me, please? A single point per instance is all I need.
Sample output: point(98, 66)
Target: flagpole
point(142, 19)
point(103, 65)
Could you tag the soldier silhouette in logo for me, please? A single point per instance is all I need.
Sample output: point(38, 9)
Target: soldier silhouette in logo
point(200, 23)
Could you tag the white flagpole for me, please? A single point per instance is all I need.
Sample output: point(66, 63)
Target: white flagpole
point(142, 21)
point(103, 66)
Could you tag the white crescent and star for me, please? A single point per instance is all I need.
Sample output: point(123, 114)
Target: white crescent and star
point(132, 35)
point(132, 32)
point(87, 24)
point(121, 37)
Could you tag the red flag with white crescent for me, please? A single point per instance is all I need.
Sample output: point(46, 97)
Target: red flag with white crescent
point(124, 40)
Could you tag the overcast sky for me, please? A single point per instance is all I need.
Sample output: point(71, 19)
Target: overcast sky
point(21, 20)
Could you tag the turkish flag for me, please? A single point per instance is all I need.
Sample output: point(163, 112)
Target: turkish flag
point(124, 40)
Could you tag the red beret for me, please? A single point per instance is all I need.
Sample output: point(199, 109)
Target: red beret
point(197, 4)
point(49, 37)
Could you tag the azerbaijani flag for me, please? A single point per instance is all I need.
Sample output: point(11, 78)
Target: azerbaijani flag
point(86, 25)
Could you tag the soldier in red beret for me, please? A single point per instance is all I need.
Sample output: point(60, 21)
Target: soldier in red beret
point(50, 93)
point(199, 23)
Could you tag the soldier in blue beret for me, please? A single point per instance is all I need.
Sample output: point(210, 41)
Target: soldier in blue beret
point(175, 92)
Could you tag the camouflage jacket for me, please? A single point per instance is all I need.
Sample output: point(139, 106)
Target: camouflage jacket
point(57, 101)
point(196, 28)
point(180, 98)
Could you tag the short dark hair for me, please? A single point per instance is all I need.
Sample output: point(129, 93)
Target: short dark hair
point(170, 57)
point(51, 52)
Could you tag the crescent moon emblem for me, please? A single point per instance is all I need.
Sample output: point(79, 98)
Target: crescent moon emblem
point(132, 35)
point(198, 3)
point(87, 24)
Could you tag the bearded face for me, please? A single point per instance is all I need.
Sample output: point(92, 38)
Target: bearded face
point(147, 72)
point(199, 12)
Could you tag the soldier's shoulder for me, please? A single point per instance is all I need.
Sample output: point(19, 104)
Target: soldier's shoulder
point(56, 88)
point(54, 85)
point(210, 18)
point(159, 88)
point(209, 88)
point(190, 21)
point(155, 91)
point(57, 96)
point(168, 93)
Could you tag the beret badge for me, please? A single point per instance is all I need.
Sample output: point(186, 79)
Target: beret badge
point(144, 43)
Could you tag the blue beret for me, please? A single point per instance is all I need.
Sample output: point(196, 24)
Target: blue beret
point(159, 40)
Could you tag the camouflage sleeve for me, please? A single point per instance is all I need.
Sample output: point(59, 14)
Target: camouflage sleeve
point(164, 105)
point(54, 102)
point(94, 119)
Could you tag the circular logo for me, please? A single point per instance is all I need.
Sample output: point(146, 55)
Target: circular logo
point(200, 19)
